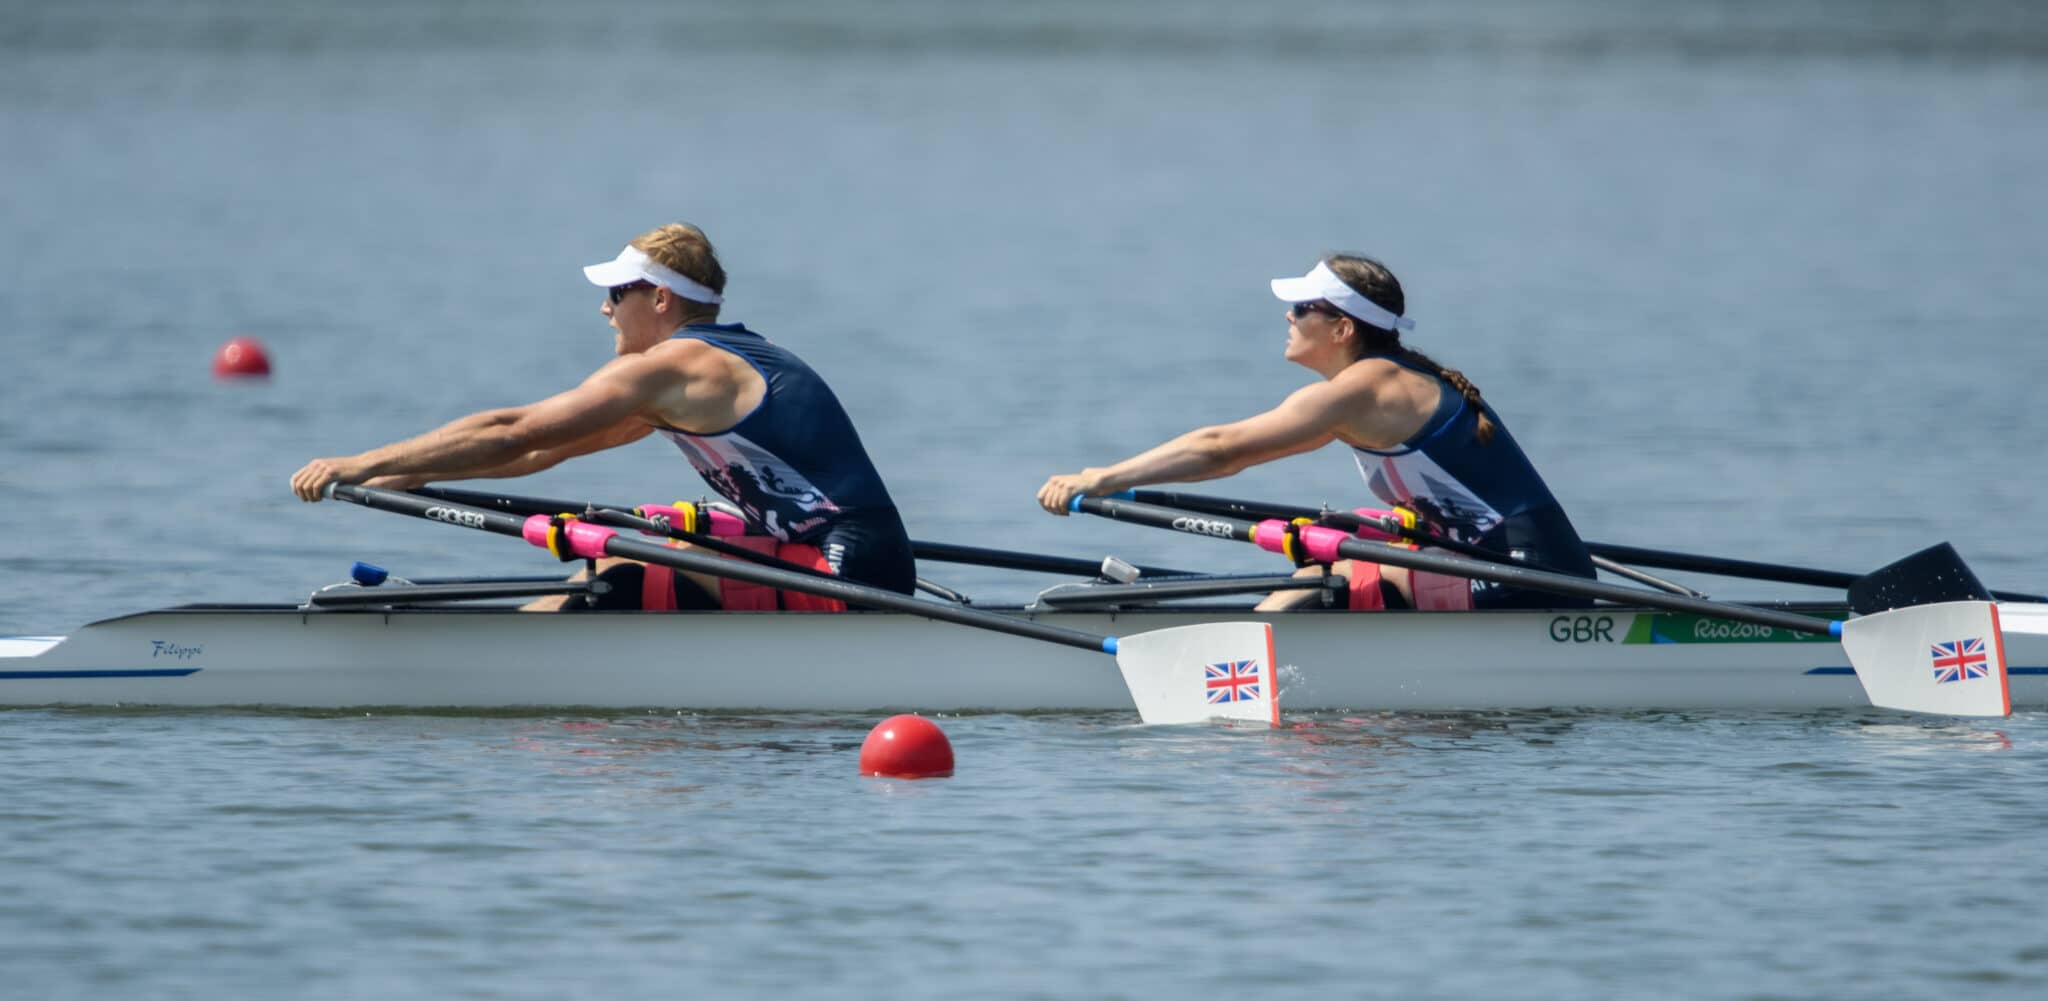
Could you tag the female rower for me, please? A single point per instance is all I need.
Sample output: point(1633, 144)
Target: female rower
point(1423, 438)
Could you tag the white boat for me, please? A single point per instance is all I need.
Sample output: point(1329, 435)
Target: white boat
point(497, 657)
point(363, 643)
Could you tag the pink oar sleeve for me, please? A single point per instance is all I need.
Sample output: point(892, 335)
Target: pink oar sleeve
point(1313, 542)
point(579, 538)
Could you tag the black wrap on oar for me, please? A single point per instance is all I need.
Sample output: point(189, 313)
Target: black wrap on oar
point(558, 543)
point(1291, 547)
point(1930, 576)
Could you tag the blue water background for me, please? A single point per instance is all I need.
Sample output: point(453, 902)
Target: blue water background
point(1754, 279)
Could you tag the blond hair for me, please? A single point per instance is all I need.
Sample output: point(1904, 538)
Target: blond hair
point(684, 248)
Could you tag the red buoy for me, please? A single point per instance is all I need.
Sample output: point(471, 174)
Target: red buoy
point(906, 747)
point(241, 357)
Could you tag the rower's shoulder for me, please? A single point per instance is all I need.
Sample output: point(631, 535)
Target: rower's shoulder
point(1374, 369)
point(666, 362)
point(705, 366)
point(1381, 376)
point(681, 346)
point(1365, 377)
point(690, 353)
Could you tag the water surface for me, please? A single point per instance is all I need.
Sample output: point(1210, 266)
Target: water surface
point(1749, 279)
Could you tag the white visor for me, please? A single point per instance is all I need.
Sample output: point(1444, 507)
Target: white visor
point(1322, 283)
point(633, 265)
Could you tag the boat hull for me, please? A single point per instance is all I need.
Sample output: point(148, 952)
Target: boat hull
point(870, 661)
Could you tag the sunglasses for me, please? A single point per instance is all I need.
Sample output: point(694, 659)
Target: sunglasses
point(618, 292)
point(1302, 309)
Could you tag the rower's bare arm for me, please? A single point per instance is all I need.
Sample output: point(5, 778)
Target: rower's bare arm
point(604, 403)
point(622, 433)
point(607, 405)
point(1306, 420)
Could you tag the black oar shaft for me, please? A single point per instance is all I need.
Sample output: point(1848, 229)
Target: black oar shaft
point(1281, 512)
point(1665, 560)
point(511, 504)
point(615, 517)
point(1147, 592)
point(1226, 506)
point(1005, 559)
point(1661, 559)
point(453, 513)
point(1220, 526)
point(938, 552)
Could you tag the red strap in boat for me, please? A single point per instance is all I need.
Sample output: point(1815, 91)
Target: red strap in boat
point(658, 588)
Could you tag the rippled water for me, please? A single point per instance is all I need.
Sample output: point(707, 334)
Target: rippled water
point(1749, 279)
point(1541, 855)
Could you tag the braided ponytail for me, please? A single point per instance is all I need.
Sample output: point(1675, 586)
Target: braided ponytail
point(1372, 280)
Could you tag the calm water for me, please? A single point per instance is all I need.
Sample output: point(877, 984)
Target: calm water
point(1750, 279)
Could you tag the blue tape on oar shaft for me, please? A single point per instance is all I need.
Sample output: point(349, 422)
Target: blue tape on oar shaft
point(1109, 644)
point(1122, 495)
point(1835, 630)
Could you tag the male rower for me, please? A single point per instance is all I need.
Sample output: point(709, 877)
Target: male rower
point(756, 422)
point(1421, 434)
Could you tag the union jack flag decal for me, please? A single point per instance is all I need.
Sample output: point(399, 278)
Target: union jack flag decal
point(1233, 681)
point(1959, 661)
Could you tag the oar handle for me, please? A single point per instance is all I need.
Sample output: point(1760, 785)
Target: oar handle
point(1324, 547)
point(585, 539)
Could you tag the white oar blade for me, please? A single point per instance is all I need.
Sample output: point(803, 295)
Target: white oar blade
point(1947, 658)
point(1193, 674)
